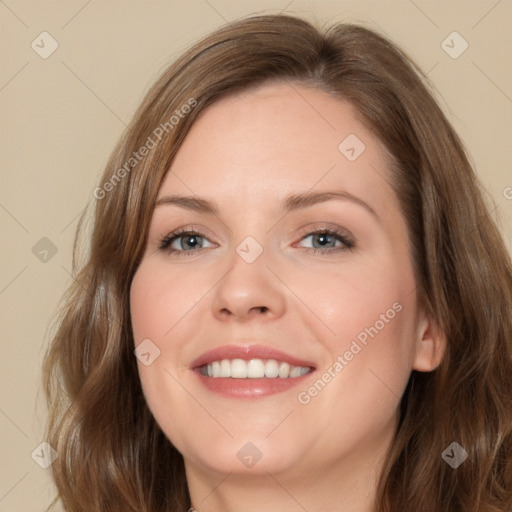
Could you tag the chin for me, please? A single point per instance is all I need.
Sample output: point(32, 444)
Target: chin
point(252, 454)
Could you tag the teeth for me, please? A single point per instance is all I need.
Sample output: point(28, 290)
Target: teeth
point(225, 368)
point(253, 369)
point(295, 371)
point(238, 369)
point(271, 369)
point(284, 370)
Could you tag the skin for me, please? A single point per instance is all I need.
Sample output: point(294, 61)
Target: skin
point(247, 152)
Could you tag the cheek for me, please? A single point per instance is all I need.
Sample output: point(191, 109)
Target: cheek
point(369, 299)
point(371, 316)
point(148, 309)
point(367, 370)
point(158, 300)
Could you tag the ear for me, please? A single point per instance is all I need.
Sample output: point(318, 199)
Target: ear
point(430, 344)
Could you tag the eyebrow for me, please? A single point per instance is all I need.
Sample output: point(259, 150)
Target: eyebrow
point(290, 203)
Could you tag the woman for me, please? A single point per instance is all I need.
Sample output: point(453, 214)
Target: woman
point(294, 299)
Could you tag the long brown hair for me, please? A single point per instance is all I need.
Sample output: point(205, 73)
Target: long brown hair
point(112, 454)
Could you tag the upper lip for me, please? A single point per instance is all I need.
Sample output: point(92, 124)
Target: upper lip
point(247, 352)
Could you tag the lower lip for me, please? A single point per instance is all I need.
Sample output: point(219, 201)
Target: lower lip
point(249, 388)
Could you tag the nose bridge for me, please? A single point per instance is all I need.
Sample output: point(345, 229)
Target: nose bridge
point(249, 286)
point(250, 234)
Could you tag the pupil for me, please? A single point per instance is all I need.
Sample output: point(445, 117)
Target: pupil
point(194, 238)
point(323, 238)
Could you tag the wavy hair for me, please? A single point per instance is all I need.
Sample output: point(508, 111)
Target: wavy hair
point(112, 454)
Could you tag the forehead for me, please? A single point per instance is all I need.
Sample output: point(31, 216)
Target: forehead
point(278, 139)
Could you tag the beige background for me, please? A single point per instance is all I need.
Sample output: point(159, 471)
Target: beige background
point(61, 116)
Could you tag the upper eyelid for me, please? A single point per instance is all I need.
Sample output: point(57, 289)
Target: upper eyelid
point(303, 232)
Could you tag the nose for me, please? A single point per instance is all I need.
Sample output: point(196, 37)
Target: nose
point(249, 290)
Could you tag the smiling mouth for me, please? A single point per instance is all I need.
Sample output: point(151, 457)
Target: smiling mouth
point(253, 369)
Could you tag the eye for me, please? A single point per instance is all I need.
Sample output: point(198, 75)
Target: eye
point(324, 241)
point(182, 241)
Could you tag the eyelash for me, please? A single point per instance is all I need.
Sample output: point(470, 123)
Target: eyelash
point(348, 241)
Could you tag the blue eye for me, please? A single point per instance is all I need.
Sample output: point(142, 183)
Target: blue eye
point(190, 241)
point(328, 236)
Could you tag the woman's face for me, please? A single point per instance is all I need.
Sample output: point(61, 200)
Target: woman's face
point(299, 257)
